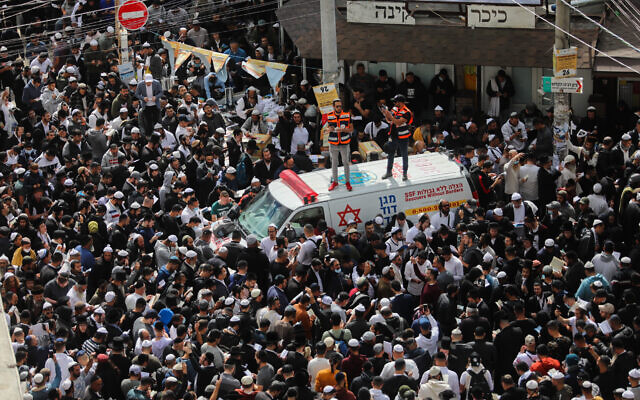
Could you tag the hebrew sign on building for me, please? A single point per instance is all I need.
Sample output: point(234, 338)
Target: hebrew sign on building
point(378, 12)
point(488, 16)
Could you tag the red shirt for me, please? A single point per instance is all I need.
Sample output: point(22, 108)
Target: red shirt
point(545, 364)
point(344, 394)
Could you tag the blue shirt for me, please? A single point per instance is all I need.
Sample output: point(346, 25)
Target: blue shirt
point(584, 291)
point(238, 56)
point(208, 86)
point(147, 234)
point(87, 259)
point(276, 291)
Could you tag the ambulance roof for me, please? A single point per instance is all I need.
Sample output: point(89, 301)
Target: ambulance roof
point(367, 177)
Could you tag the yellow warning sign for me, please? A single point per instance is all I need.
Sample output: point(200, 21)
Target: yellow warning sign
point(325, 95)
point(565, 62)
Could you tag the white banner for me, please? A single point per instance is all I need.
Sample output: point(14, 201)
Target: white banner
point(378, 12)
point(487, 16)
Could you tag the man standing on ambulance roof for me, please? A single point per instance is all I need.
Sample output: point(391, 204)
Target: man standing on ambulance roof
point(339, 126)
point(399, 118)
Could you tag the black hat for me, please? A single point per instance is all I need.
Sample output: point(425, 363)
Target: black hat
point(400, 98)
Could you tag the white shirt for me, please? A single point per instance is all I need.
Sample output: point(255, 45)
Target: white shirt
point(415, 288)
point(466, 376)
point(63, 361)
point(43, 162)
point(168, 141)
point(440, 219)
point(371, 130)
point(300, 136)
point(389, 369)
point(430, 344)
point(413, 232)
point(131, 299)
point(454, 267)
point(527, 358)
point(529, 188)
point(158, 345)
point(519, 214)
point(598, 203)
point(187, 213)
point(149, 89)
point(75, 296)
point(267, 245)
point(316, 365)
point(112, 215)
point(451, 377)
point(307, 249)
point(393, 246)
point(518, 142)
point(44, 66)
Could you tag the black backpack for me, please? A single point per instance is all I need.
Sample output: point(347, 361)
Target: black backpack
point(477, 380)
point(316, 251)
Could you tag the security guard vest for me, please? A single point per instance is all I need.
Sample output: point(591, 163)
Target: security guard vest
point(403, 130)
point(341, 120)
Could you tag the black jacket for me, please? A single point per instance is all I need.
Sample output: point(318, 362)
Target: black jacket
point(262, 172)
point(547, 185)
point(258, 264)
point(235, 151)
point(392, 385)
point(509, 341)
point(302, 161)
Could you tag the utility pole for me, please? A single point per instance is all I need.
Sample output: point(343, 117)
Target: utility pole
point(561, 100)
point(329, 41)
point(121, 34)
point(117, 6)
point(280, 4)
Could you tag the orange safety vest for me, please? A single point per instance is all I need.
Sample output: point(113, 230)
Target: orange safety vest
point(402, 130)
point(339, 121)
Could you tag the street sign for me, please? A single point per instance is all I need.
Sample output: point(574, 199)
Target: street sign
point(126, 71)
point(565, 62)
point(561, 85)
point(133, 15)
point(325, 95)
point(490, 16)
point(379, 12)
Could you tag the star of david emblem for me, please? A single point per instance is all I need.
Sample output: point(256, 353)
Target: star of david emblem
point(349, 210)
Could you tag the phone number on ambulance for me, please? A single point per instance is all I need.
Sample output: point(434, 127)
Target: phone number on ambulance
point(442, 190)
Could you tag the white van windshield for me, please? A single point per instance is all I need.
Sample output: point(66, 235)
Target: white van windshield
point(262, 211)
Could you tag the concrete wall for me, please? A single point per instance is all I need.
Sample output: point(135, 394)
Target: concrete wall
point(9, 378)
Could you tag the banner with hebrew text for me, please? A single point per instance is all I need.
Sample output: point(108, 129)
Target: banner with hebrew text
point(181, 58)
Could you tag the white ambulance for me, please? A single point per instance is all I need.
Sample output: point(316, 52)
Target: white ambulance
point(295, 200)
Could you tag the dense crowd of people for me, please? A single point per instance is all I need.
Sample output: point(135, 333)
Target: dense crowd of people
point(110, 191)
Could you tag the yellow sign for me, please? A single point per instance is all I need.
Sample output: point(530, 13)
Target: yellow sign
point(565, 62)
point(432, 208)
point(325, 95)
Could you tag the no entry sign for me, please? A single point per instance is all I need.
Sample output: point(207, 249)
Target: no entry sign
point(133, 14)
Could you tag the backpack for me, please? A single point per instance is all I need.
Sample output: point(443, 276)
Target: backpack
point(477, 380)
point(241, 171)
point(342, 345)
point(316, 251)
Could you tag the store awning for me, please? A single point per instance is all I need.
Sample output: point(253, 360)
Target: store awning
point(615, 48)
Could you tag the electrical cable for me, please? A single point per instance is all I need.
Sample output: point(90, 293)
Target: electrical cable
point(577, 38)
point(607, 30)
point(91, 26)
